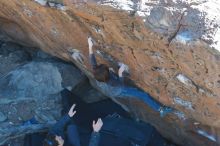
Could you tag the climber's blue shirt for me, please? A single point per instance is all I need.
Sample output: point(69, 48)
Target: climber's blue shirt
point(116, 88)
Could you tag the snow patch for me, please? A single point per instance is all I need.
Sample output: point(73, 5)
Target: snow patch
point(208, 8)
point(60, 7)
point(183, 37)
point(205, 134)
point(143, 9)
point(216, 43)
point(183, 103)
point(51, 4)
point(212, 20)
point(128, 5)
point(120, 4)
point(41, 2)
point(183, 79)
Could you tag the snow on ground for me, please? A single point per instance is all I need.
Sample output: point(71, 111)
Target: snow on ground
point(120, 4)
point(212, 10)
point(140, 7)
point(209, 8)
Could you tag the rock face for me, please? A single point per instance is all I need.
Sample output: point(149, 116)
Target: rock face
point(30, 88)
point(171, 50)
point(39, 79)
point(11, 56)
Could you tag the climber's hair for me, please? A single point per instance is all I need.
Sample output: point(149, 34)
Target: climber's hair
point(101, 73)
point(50, 140)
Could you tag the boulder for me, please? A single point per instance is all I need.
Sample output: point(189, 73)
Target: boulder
point(11, 56)
point(32, 90)
point(171, 48)
point(39, 80)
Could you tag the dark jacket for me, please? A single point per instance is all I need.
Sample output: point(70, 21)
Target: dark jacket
point(94, 140)
point(72, 137)
point(115, 88)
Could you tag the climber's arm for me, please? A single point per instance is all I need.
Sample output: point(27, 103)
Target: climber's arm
point(122, 68)
point(92, 58)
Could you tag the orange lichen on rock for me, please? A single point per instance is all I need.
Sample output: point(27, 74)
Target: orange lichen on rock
point(168, 72)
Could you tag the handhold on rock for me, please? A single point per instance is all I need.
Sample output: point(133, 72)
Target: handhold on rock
point(76, 55)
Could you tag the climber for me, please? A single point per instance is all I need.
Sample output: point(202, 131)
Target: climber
point(119, 129)
point(86, 113)
point(112, 85)
point(56, 135)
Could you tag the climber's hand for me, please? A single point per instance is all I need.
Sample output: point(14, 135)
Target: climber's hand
point(111, 69)
point(123, 68)
point(97, 125)
point(72, 112)
point(90, 43)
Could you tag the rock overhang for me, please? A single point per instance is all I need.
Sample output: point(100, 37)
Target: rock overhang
point(154, 66)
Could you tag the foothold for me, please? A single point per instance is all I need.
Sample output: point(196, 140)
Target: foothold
point(11, 123)
point(19, 118)
point(155, 68)
point(196, 123)
point(210, 84)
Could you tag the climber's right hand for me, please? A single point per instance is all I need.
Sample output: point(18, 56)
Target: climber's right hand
point(90, 43)
point(123, 68)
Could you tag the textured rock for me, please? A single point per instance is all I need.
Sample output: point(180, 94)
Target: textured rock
point(2, 117)
point(187, 21)
point(11, 56)
point(32, 90)
point(88, 93)
point(39, 79)
point(171, 50)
